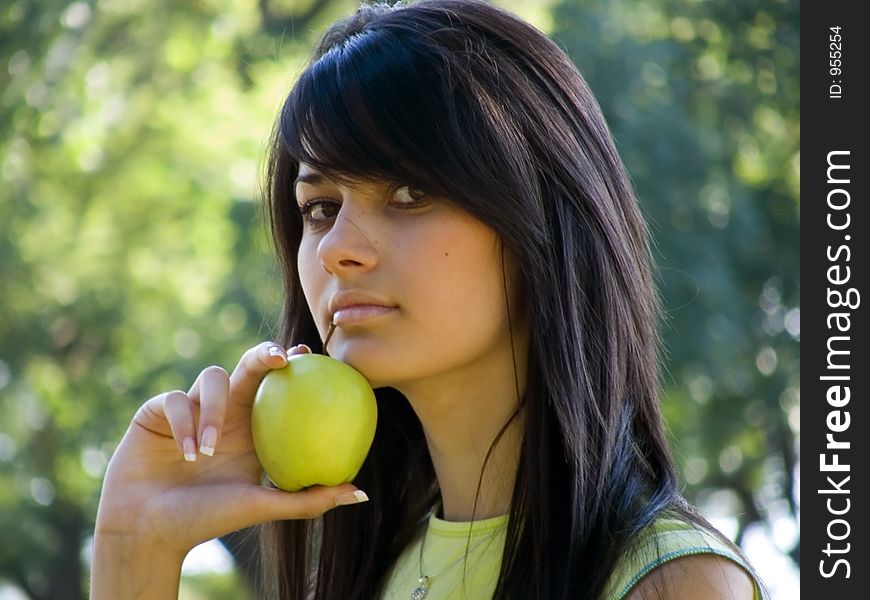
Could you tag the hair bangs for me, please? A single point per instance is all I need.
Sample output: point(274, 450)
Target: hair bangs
point(367, 109)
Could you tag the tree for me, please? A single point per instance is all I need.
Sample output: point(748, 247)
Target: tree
point(703, 99)
point(133, 253)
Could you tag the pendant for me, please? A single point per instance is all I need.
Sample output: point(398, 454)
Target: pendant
point(422, 589)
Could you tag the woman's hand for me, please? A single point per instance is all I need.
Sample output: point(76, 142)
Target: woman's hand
point(186, 471)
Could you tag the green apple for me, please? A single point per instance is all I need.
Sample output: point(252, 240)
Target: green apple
point(313, 422)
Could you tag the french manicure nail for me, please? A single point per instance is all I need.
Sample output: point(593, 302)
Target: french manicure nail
point(189, 447)
point(351, 498)
point(275, 351)
point(209, 439)
point(304, 348)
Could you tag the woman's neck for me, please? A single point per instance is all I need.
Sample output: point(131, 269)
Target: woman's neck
point(458, 474)
point(462, 412)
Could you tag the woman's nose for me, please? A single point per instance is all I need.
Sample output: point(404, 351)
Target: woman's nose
point(349, 245)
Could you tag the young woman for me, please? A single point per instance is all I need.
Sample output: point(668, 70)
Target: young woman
point(444, 190)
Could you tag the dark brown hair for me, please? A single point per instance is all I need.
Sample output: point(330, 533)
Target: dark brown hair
point(467, 101)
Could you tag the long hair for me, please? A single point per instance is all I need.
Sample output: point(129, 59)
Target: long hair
point(465, 100)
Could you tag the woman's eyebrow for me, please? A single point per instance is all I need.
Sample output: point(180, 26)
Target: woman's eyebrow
point(310, 178)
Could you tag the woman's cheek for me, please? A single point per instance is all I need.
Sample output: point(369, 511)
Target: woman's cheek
point(313, 279)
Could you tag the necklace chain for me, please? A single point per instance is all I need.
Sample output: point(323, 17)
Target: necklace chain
point(423, 582)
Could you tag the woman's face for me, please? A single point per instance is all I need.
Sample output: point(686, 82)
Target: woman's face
point(425, 275)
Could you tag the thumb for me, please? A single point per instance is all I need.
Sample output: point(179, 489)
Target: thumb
point(308, 503)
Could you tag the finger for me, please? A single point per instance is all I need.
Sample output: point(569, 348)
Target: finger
point(270, 504)
point(178, 409)
point(150, 417)
point(300, 349)
point(253, 366)
point(210, 390)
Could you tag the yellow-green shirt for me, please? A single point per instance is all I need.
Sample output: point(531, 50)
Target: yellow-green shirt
point(668, 539)
point(444, 558)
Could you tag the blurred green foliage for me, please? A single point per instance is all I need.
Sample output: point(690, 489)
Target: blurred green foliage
point(207, 586)
point(703, 98)
point(133, 251)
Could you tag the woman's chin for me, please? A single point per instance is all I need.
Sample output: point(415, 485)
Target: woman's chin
point(374, 368)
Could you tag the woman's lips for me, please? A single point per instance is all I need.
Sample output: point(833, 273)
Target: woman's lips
point(362, 312)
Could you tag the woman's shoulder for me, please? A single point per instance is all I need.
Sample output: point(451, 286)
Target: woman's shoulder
point(674, 558)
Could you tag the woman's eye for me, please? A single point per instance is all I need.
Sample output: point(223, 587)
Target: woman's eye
point(315, 211)
point(408, 195)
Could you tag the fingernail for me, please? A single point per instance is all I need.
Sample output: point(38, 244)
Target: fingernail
point(276, 351)
point(351, 498)
point(209, 439)
point(298, 349)
point(189, 447)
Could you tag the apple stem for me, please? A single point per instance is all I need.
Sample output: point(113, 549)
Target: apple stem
point(332, 327)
